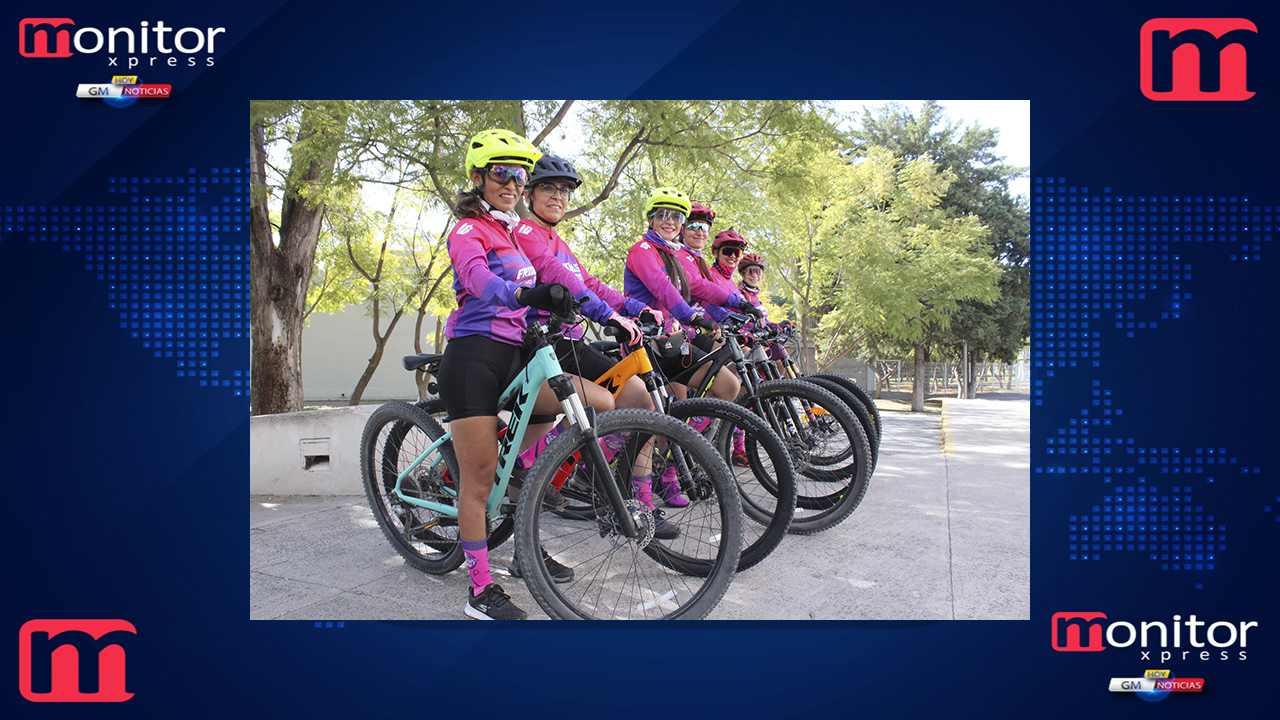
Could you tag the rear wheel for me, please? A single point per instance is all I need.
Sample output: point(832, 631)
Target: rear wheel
point(827, 445)
point(763, 471)
point(394, 437)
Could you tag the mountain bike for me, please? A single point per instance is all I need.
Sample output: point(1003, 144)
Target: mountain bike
point(620, 570)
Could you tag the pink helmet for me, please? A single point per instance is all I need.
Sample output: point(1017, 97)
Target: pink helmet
point(700, 210)
point(728, 237)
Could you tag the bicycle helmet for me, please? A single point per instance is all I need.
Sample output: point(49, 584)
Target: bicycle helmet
point(500, 146)
point(702, 211)
point(667, 197)
point(554, 167)
point(729, 237)
point(748, 260)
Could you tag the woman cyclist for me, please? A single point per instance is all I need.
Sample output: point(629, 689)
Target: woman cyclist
point(656, 276)
point(696, 233)
point(550, 187)
point(495, 283)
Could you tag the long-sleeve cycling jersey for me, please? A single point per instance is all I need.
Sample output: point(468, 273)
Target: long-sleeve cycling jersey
point(646, 280)
point(599, 300)
point(753, 297)
point(488, 267)
point(706, 292)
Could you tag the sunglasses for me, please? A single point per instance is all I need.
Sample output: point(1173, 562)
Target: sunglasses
point(731, 251)
point(503, 174)
point(667, 215)
point(699, 226)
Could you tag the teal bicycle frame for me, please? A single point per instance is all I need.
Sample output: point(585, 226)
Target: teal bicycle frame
point(543, 367)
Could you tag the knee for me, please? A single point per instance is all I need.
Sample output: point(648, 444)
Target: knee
point(634, 395)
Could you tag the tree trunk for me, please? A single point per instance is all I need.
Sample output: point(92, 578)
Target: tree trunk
point(280, 273)
point(380, 345)
point(917, 387)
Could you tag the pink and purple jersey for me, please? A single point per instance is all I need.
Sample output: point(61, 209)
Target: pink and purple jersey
point(600, 300)
point(488, 268)
point(709, 294)
point(753, 297)
point(646, 280)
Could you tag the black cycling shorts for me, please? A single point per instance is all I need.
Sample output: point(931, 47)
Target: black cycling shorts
point(577, 357)
point(680, 369)
point(474, 372)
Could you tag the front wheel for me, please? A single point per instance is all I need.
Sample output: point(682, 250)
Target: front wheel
point(633, 578)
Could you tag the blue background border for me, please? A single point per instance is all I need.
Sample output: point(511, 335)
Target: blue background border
point(142, 522)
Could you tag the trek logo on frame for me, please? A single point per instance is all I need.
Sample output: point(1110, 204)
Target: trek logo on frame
point(74, 660)
point(1190, 59)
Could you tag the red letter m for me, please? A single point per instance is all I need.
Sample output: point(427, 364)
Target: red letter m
point(74, 660)
point(40, 37)
point(1076, 632)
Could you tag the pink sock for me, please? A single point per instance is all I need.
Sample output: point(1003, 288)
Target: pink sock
point(611, 444)
point(700, 423)
point(526, 458)
point(739, 441)
point(644, 489)
point(477, 555)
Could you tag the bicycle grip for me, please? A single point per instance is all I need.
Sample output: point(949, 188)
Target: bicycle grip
point(557, 293)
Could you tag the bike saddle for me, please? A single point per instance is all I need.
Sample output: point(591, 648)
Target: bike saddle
point(413, 362)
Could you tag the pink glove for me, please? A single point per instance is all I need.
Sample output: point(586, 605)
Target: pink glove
point(657, 315)
point(627, 324)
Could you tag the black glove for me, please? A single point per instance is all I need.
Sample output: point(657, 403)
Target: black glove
point(646, 316)
point(747, 308)
point(703, 323)
point(551, 297)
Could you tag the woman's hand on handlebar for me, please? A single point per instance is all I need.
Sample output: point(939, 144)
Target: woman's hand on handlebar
point(705, 324)
point(630, 334)
point(550, 297)
point(651, 316)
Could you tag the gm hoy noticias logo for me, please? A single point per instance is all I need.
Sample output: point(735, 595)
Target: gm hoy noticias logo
point(144, 45)
point(1197, 59)
point(1178, 639)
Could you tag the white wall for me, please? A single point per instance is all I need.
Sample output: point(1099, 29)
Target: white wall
point(336, 349)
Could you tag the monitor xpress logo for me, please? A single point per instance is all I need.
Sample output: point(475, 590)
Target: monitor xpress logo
point(74, 660)
point(127, 47)
point(1084, 632)
point(1196, 58)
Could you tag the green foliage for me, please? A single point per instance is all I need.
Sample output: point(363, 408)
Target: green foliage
point(897, 264)
point(980, 188)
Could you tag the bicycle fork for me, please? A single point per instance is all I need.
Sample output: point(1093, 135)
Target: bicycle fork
point(573, 408)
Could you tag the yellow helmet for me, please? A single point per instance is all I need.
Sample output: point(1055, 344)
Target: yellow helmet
point(667, 197)
point(501, 146)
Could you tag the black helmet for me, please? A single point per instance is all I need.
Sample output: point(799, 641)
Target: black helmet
point(554, 167)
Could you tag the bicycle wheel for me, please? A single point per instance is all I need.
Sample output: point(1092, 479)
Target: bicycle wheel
point(868, 404)
point(853, 403)
point(826, 492)
point(501, 527)
point(766, 483)
point(395, 435)
point(621, 578)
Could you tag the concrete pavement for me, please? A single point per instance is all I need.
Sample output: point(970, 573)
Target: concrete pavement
point(943, 533)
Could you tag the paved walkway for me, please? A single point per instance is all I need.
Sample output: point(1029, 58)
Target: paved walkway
point(938, 536)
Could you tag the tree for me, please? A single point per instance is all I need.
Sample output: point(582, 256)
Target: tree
point(901, 264)
point(280, 270)
point(1001, 327)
